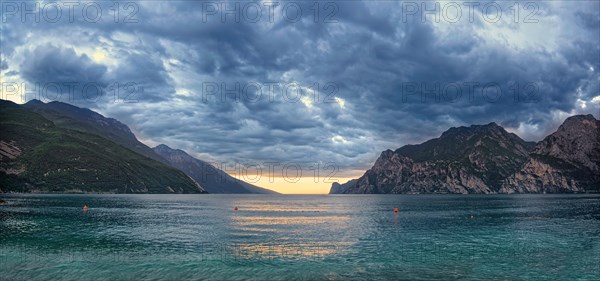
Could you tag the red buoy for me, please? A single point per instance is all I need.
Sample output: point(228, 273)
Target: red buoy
point(235, 209)
point(396, 210)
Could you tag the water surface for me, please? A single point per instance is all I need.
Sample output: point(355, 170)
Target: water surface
point(297, 237)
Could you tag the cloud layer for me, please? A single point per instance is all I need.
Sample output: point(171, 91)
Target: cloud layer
point(311, 83)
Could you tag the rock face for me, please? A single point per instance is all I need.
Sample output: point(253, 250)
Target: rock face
point(337, 188)
point(565, 161)
point(211, 178)
point(487, 159)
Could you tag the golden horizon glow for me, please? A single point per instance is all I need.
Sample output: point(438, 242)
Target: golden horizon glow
point(303, 185)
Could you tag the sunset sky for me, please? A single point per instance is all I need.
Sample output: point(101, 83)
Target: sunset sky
point(361, 77)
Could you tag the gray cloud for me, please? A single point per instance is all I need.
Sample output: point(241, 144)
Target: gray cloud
point(49, 63)
point(373, 54)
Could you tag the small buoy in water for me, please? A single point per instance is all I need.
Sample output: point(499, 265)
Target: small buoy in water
point(471, 216)
point(235, 209)
point(85, 207)
point(396, 210)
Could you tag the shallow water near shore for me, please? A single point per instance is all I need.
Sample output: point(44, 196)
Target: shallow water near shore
point(300, 237)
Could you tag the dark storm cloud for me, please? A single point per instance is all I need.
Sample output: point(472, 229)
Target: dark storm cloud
point(146, 72)
point(49, 63)
point(379, 60)
point(60, 73)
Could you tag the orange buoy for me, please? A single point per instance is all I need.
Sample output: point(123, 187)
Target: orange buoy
point(396, 210)
point(235, 209)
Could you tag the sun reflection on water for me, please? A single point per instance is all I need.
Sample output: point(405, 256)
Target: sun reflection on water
point(292, 232)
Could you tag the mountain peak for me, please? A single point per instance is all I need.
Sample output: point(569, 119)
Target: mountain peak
point(455, 143)
point(575, 141)
point(162, 146)
point(488, 159)
point(63, 108)
point(582, 117)
point(34, 102)
point(163, 149)
point(579, 125)
point(473, 129)
point(578, 120)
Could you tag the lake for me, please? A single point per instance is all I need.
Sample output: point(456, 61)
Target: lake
point(300, 237)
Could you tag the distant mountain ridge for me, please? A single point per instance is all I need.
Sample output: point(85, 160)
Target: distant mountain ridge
point(72, 117)
point(213, 179)
point(38, 156)
point(488, 159)
point(57, 147)
point(83, 121)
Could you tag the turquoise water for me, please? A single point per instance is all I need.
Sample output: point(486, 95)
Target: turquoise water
point(278, 237)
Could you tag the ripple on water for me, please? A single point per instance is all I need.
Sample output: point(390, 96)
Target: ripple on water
point(275, 237)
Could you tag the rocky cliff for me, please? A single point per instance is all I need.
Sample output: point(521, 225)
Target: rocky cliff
point(488, 159)
point(340, 188)
point(565, 161)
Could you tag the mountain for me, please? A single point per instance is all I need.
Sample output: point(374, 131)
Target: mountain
point(566, 161)
point(211, 178)
point(471, 159)
point(85, 120)
point(38, 156)
point(488, 159)
point(337, 188)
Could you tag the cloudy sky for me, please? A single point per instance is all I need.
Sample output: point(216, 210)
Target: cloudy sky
point(303, 82)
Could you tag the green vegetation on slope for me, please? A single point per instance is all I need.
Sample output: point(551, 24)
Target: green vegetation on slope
point(85, 120)
point(54, 159)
